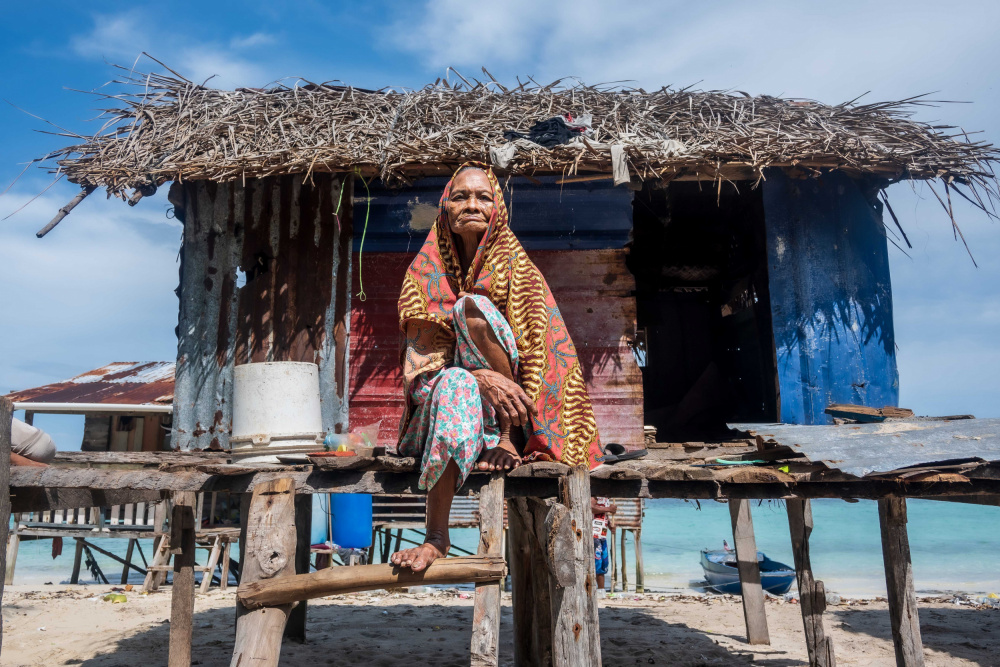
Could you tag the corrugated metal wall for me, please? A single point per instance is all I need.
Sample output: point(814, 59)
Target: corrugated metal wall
point(265, 272)
point(831, 298)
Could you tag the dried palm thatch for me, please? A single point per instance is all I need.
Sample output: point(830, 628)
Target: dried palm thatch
point(165, 127)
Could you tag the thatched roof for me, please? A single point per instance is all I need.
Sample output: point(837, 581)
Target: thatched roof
point(165, 127)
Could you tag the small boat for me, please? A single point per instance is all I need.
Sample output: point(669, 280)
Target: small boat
point(722, 575)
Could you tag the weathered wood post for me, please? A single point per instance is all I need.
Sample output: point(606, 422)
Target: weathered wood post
point(640, 575)
point(486, 613)
point(295, 630)
point(182, 546)
point(6, 415)
point(812, 594)
point(553, 575)
point(899, 582)
point(624, 563)
point(128, 561)
point(269, 552)
point(746, 558)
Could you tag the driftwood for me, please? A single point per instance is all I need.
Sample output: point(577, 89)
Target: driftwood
point(341, 580)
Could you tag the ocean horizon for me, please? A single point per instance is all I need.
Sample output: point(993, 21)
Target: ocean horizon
point(952, 547)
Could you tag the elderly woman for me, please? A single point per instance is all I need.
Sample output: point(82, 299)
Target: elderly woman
point(490, 373)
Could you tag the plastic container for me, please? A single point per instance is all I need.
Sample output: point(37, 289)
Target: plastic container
point(276, 410)
point(319, 532)
point(351, 519)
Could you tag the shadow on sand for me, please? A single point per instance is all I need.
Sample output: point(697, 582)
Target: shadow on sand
point(962, 632)
point(430, 634)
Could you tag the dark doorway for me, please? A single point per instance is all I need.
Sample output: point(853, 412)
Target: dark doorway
point(698, 256)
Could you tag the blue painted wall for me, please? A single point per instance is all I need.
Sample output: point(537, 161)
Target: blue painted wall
point(592, 215)
point(831, 300)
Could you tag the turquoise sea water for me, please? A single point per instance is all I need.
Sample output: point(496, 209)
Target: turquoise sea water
point(953, 546)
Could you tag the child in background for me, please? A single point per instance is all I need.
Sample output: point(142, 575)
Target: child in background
point(601, 508)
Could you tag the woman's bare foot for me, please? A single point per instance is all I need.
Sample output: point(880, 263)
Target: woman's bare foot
point(502, 457)
point(418, 558)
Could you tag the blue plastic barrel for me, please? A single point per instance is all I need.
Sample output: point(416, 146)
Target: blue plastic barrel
point(352, 519)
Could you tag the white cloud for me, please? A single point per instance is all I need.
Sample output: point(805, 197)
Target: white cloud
point(121, 38)
point(250, 41)
point(98, 288)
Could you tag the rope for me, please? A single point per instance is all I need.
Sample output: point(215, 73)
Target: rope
point(361, 248)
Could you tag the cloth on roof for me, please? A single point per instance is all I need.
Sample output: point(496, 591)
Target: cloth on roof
point(554, 131)
point(549, 372)
point(31, 442)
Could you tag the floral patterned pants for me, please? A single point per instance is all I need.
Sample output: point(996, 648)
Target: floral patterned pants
point(450, 420)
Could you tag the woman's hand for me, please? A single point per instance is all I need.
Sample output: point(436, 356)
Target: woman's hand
point(512, 405)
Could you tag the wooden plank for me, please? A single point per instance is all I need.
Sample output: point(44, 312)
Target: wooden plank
point(576, 637)
point(268, 557)
point(532, 605)
point(182, 530)
point(746, 558)
point(6, 417)
point(213, 561)
point(74, 577)
point(295, 629)
point(812, 594)
point(899, 582)
point(486, 610)
point(340, 580)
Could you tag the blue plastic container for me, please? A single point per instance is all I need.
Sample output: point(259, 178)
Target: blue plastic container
point(352, 519)
point(320, 529)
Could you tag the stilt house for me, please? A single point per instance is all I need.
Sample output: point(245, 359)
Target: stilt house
point(717, 257)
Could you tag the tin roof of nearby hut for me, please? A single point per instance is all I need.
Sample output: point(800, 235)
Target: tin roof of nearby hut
point(148, 385)
point(165, 127)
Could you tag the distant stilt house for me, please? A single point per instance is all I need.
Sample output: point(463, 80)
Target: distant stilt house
point(717, 257)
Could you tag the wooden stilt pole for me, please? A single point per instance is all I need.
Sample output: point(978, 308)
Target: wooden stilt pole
point(224, 569)
point(295, 629)
point(612, 556)
point(74, 578)
point(6, 416)
point(899, 582)
point(267, 552)
point(213, 562)
point(128, 561)
point(746, 555)
point(486, 614)
point(640, 584)
point(812, 594)
point(576, 637)
point(13, 545)
point(529, 582)
point(624, 563)
point(182, 528)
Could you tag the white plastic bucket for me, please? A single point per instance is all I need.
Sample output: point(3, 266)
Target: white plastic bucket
point(276, 410)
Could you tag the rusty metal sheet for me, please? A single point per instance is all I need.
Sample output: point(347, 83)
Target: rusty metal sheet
point(860, 449)
point(264, 277)
point(120, 383)
point(629, 514)
point(593, 289)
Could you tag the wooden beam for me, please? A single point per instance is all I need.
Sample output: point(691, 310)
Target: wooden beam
point(269, 556)
point(640, 584)
point(295, 629)
point(576, 639)
point(746, 559)
point(899, 582)
point(6, 417)
point(486, 611)
point(339, 580)
point(182, 544)
point(532, 605)
point(812, 594)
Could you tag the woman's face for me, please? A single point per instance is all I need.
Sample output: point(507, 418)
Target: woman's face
point(470, 205)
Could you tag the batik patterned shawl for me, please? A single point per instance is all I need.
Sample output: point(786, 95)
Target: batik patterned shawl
point(550, 372)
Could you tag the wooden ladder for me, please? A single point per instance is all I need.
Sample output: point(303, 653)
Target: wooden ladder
point(218, 546)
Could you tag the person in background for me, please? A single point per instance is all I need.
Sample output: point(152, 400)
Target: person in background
point(601, 507)
point(30, 446)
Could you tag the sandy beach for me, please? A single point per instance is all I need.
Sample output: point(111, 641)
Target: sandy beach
point(72, 625)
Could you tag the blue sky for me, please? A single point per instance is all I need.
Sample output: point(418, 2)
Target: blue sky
point(100, 287)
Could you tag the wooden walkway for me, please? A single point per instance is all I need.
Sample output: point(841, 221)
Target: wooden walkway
point(551, 561)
